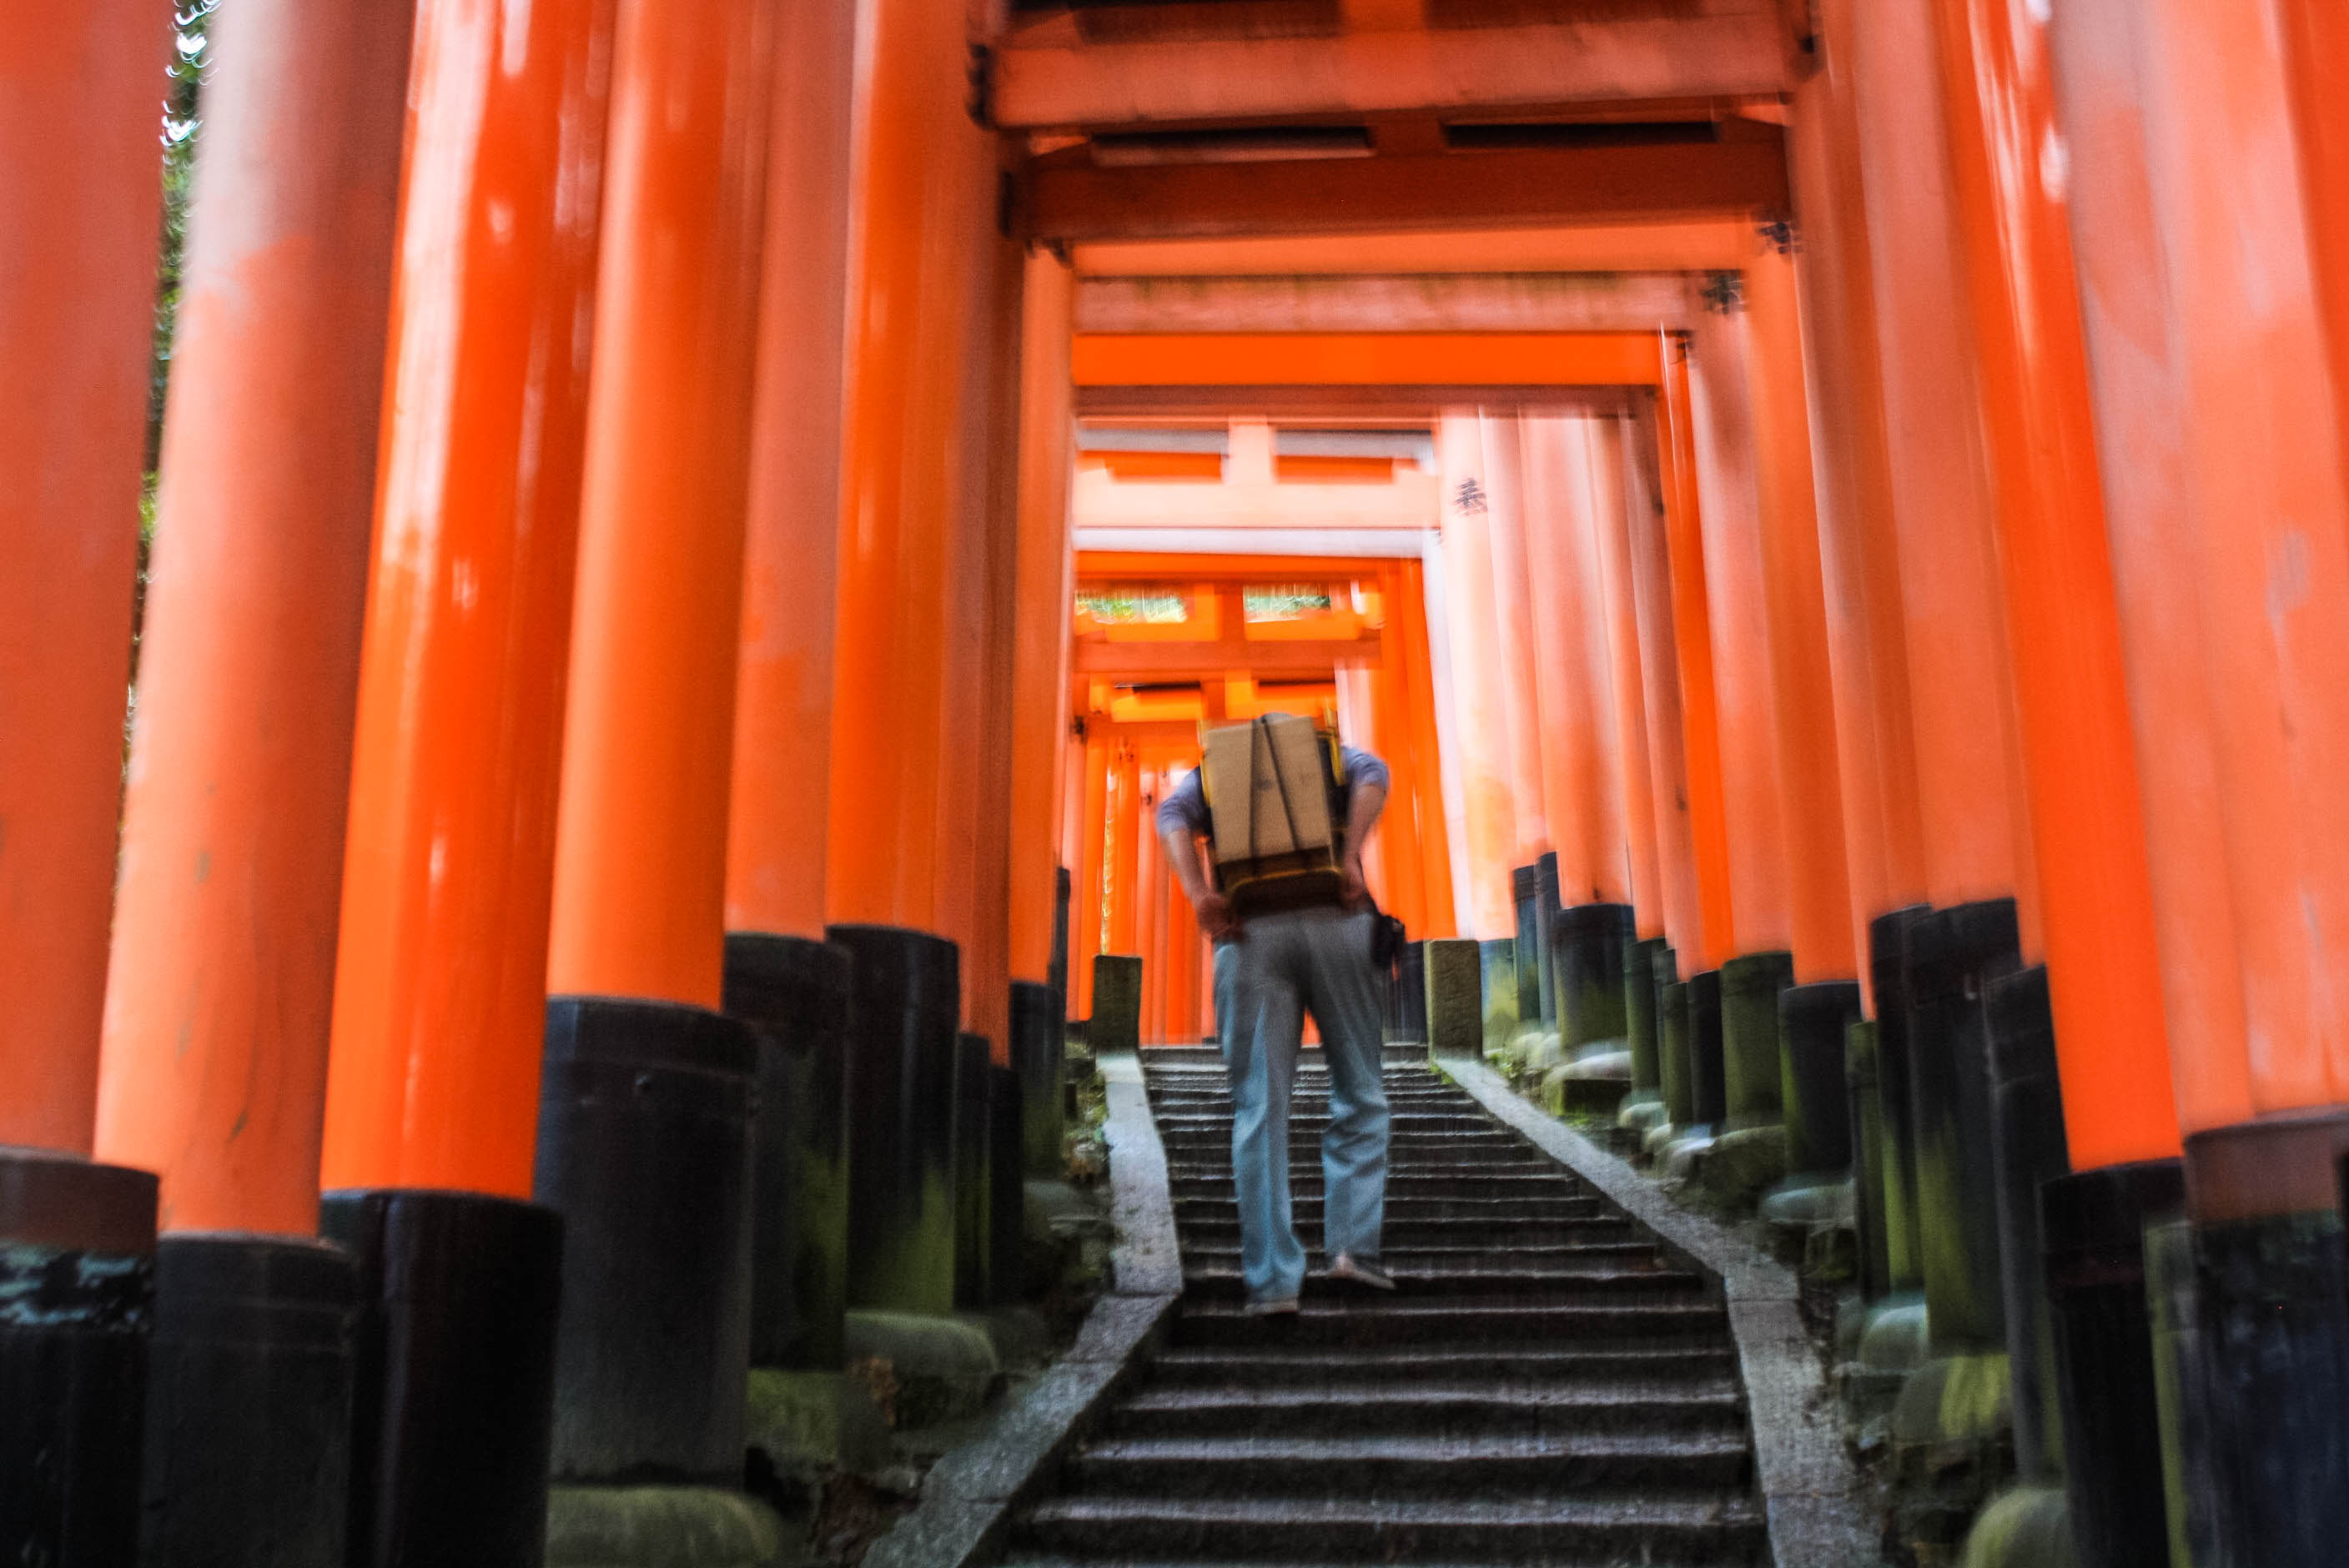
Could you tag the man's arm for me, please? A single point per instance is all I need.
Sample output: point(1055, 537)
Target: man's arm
point(1189, 867)
point(1365, 801)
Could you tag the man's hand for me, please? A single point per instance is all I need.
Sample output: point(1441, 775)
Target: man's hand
point(1215, 912)
point(1353, 892)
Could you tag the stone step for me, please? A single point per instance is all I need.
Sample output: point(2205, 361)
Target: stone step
point(1725, 1530)
point(1496, 1159)
point(1500, 1187)
point(1627, 1250)
point(1221, 1228)
point(1704, 1367)
point(1485, 1278)
point(1468, 1211)
point(1436, 1407)
point(1658, 1318)
point(1429, 1466)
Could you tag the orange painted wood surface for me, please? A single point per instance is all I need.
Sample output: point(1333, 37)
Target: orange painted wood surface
point(1477, 691)
point(448, 874)
point(782, 785)
point(1517, 668)
point(641, 846)
point(2230, 534)
point(1680, 882)
point(1365, 359)
point(1702, 774)
point(1613, 508)
point(221, 992)
point(1819, 925)
point(78, 210)
point(2104, 967)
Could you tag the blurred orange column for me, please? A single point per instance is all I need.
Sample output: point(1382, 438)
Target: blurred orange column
point(2230, 537)
point(79, 198)
point(783, 701)
point(1513, 625)
point(1121, 856)
point(1089, 895)
point(1576, 736)
point(640, 845)
point(1975, 827)
point(1149, 908)
point(2316, 36)
point(1703, 775)
point(1045, 585)
point(1737, 604)
point(1680, 890)
point(926, 192)
point(1620, 607)
point(1408, 666)
point(440, 979)
point(2104, 967)
point(1359, 712)
point(1476, 687)
point(222, 978)
point(1820, 929)
point(1859, 553)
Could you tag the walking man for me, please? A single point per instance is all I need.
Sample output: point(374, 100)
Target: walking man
point(1272, 966)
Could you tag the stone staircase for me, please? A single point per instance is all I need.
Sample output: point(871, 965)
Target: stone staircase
point(1545, 1388)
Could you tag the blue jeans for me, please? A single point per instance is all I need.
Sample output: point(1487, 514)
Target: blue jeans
point(1286, 964)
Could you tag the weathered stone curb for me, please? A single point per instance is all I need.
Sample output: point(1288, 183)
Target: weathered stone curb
point(968, 1499)
point(1809, 1489)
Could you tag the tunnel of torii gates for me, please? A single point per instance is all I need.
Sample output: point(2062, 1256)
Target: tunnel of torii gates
point(1883, 522)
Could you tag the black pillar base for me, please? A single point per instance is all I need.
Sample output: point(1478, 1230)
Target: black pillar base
point(972, 1206)
point(1868, 1159)
point(1005, 1183)
point(1673, 1059)
point(1528, 952)
point(1753, 1074)
point(792, 993)
point(1588, 944)
point(453, 1414)
point(1411, 994)
point(1812, 1023)
point(77, 1306)
point(904, 1019)
point(1708, 1081)
point(2092, 1228)
point(248, 1444)
point(1640, 1019)
point(1888, 964)
point(1952, 954)
point(1546, 912)
point(1039, 1041)
point(2028, 1150)
point(2264, 1201)
point(644, 1148)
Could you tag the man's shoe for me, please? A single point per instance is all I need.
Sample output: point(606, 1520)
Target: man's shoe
point(1273, 1306)
point(1356, 1272)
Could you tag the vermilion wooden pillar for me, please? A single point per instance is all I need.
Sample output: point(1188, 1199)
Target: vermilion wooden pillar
point(78, 200)
point(1408, 655)
point(2229, 536)
point(1612, 504)
point(1577, 733)
point(1122, 852)
point(1089, 901)
point(1679, 882)
point(1360, 710)
point(1485, 767)
point(441, 983)
point(783, 700)
point(1859, 553)
point(1045, 583)
point(2103, 970)
point(2316, 36)
point(1975, 828)
point(1702, 776)
point(1738, 612)
point(2219, 425)
point(1820, 929)
point(1501, 434)
point(926, 187)
point(640, 866)
point(221, 984)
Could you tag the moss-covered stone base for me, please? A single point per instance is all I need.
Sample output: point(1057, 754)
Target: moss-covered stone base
point(659, 1527)
point(1742, 1165)
point(923, 1369)
point(2030, 1527)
